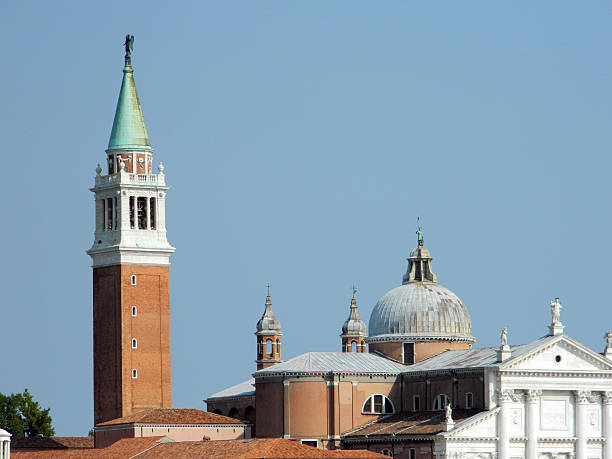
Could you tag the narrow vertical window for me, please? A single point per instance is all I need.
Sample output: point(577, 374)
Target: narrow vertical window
point(408, 353)
point(132, 213)
point(109, 213)
point(134, 311)
point(104, 214)
point(469, 400)
point(353, 346)
point(134, 373)
point(411, 453)
point(134, 343)
point(133, 279)
point(115, 213)
point(416, 403)
point(152, 213)
point(142, 212)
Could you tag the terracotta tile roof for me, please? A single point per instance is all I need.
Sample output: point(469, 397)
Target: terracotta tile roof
point(173, 416)
point(121, 449)
point(409, 423)
point(242, 449)
point(162, 447)
point(51, 442)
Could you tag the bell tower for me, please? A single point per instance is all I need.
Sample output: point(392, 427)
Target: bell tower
point(131, 255)
point(268, 337)
point(354, 330)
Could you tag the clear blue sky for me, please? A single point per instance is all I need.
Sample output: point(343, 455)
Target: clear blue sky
point(302, 140)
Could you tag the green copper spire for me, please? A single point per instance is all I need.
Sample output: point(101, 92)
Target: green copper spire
point(129, 130)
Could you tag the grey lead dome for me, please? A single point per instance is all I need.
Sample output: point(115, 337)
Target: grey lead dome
point(420, 309)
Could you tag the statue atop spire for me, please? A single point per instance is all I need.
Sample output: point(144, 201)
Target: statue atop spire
point(419, 233)
point(129, 45)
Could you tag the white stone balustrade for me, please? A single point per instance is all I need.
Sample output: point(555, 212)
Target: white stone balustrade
point(122, 178)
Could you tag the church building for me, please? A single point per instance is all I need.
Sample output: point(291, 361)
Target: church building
point(410, 384)
point(423, 391)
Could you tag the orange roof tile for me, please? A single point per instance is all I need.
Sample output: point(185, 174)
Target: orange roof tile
point(243, 449)
point(409, 423)
point(173, 416)
point(51, 442)
point(162, 447)
point(121, 449)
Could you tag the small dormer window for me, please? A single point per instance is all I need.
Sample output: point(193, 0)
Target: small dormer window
point(469, 400)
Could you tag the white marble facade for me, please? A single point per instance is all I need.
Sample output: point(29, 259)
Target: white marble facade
point(552, 400)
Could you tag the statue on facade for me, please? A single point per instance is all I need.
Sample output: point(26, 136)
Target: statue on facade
point(504, 337)
point(608, 338)
point(448, 414)
point(129, 45)
point(555, 309)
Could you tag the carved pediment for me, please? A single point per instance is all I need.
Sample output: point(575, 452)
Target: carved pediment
point(559, 354)
point(482, 425)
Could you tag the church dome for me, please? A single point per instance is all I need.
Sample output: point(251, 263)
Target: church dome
point(420, 309)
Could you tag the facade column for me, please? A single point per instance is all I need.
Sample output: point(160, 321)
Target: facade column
point(607, 424)
point(582, 400)
point(503, 425)
point(286, 410)
point(147, 213)
point(533, 423)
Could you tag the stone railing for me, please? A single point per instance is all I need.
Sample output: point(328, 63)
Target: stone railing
point(125, 178)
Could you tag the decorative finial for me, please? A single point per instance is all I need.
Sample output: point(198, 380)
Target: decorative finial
point(354, 291)
point(98, 169)
point(161, 168)
point(504, 338)
point(419, 232)
point(129, 45)
point(268, 286)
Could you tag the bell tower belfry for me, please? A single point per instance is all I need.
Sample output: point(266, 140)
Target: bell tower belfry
point(131, 255)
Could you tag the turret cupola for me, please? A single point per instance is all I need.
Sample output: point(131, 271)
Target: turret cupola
point(268, 337)
point(354, 330)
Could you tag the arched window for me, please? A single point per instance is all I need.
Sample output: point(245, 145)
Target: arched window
point(133, 279)
point(134, 343)
point(134, 373)
point(469, 400)
point(233, 413)
point(353, 346)
point(134, 311)
point(387, 452)
point(217, 411)
point(377, 404)
point(440, 402)
point(269, 347)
